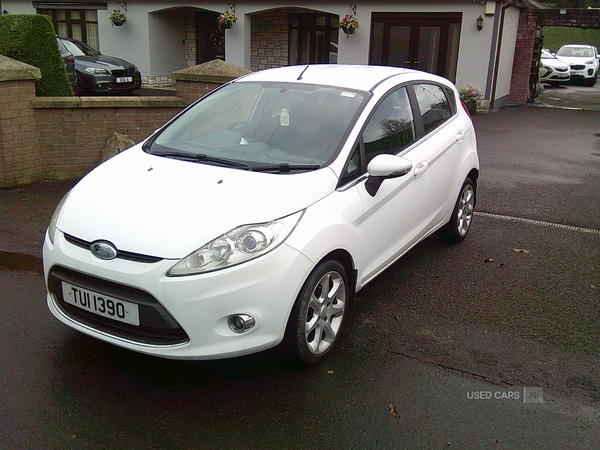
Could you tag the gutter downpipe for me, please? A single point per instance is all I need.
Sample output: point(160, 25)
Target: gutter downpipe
point(500, 33)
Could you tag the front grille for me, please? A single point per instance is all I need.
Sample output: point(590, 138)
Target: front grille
point(122, 72)
point(157, 326)
point(129, 256)
point(577, 66)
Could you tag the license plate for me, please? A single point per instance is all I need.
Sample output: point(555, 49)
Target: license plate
point(101, 304)
point(124, 79)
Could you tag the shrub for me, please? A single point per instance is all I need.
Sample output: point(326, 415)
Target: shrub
point(470, 94)
point(30, 38)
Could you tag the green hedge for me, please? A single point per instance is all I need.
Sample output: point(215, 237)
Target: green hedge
point(30, 38)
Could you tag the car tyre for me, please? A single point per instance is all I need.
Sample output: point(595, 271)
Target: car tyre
point(458, 227)
point(319, 314)
point(79, 87)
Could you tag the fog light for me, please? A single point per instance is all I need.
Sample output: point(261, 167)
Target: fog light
point(240, 323)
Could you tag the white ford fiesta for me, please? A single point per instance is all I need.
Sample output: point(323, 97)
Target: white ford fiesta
point(254, 216)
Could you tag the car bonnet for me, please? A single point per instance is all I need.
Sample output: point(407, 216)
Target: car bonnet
point(168, 208)
point(102, 61)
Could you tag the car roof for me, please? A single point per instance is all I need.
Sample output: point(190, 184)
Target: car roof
point(356, 77)
point(577, 45)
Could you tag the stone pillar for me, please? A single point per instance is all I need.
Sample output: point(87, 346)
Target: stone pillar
point(195, 82)
point(19, 149)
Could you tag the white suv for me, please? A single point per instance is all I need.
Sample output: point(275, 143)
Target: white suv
point(584, 61)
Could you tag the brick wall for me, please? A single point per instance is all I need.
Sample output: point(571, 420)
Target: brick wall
point(57, 138)
point(158, 82)
point(519, 86)
point(578, 18)
point(190, 41)
point(72, 135)
point(269, 40)
point(19, 155)
point(193, 90)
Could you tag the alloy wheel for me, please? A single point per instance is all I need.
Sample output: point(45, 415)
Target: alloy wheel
point(325, 312)
point(466, 206)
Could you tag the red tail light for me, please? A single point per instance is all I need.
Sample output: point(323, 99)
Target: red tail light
point(71, 59)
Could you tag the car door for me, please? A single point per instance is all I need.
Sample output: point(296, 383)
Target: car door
point(437, 154)
point(408, 123)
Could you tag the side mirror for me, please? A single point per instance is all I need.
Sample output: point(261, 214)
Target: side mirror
point(385, 166)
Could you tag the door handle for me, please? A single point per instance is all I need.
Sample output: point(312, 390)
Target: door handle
point(460, 135)
point(421, 167)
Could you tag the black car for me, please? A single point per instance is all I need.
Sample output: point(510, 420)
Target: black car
point(69, 62)
point(98, 73)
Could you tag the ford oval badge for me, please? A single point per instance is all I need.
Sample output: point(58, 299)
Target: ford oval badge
point(103, 250)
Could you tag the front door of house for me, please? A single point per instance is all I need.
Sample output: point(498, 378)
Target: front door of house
point(427, 42)
point(210, 39)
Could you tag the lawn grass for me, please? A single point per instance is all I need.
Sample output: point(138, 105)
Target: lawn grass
point(556, 37)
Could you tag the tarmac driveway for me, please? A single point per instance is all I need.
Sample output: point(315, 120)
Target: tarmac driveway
point(514, 306)
point(571, 96)
point(522, 304)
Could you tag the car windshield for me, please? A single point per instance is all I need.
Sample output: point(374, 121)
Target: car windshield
point(261, 125)
point(80, 49)
point(547, 55)
point(575, 51)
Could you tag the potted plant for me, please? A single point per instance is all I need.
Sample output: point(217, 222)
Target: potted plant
point(471, 97)
point(348, 24)
point(117, 18)
point(226, 20)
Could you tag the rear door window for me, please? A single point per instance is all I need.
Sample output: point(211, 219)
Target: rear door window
point(433, 104)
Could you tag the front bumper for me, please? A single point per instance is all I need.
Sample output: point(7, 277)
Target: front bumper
point(556, 77)
point(185, 317)
point(108, 83)
point(583, 72)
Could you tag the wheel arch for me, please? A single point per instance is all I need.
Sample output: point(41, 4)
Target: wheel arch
point(345, 259)
point(474, 175)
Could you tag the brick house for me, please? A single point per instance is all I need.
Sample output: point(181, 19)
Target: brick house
point(487, 44)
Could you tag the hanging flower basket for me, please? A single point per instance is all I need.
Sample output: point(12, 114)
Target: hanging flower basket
point(117, 18)
point(348, 24)
point(226, 20)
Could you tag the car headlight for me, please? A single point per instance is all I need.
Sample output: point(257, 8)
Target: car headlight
point(55, 216)
point(239, 245)
point(591, 61)
point(95, 71)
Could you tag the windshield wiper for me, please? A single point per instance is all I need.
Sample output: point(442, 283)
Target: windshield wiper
point(285, 167)
point(201, 157)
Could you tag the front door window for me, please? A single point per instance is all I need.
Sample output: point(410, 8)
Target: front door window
point(313, 39)
point(418, 41)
